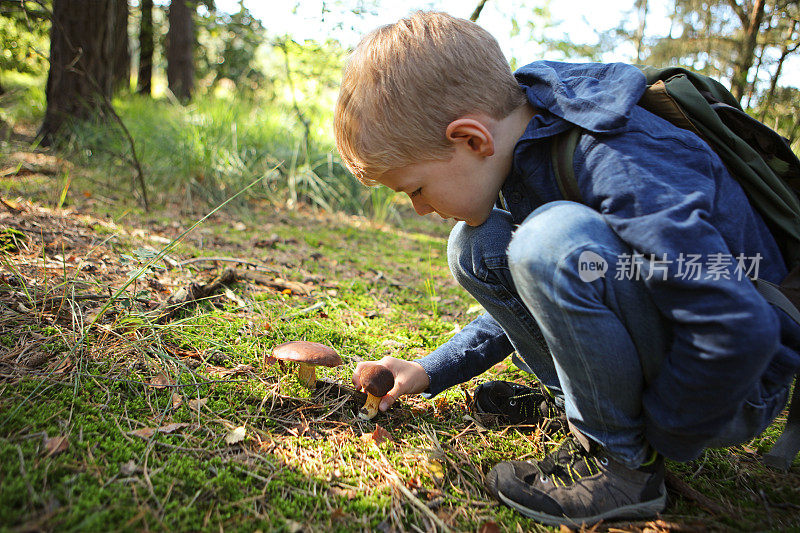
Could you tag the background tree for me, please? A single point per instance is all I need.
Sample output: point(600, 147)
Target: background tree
point(729, 39)
point(180, 49)
point(750, 15)
point(80, 76)
point(121, 68)
point(242, 35)
point(146, 48)
point(24, 30)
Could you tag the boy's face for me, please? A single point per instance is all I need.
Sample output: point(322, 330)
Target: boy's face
point(460, 188)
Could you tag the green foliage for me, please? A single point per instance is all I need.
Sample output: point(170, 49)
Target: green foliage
point(24, 36)
point(230, 45)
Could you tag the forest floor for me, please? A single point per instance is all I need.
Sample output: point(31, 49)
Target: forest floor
point(126, 403)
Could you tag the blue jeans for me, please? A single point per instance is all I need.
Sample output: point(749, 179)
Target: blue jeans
point(592, 339)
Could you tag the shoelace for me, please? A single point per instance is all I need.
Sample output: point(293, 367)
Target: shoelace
point(549, 411)
point(568, 464)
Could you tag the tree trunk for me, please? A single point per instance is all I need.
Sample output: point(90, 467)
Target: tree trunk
point(122, 54)
point(146, 48)
point(79, 80)
point(751, 22)
point(641, 8)
point(477, 11)
point(180, 47)
point(773, 83)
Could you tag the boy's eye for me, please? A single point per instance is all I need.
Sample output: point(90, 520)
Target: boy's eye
point(416, 192)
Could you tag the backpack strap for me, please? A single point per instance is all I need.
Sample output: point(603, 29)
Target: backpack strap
point(772, 293)
point(562, 155)
point(786, 447)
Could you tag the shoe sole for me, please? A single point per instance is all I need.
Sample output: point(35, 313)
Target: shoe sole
point(637, 510)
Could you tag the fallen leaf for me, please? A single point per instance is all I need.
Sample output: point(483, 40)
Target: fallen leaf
point(378, 436)
point(177, 400)
point(489, 527)
point(129, 468)
point(145, 433)
point(338, 515)
point(64, 367)
point(223, 372)
point(350, 494)
point(294, 527)
point(161, 381)
point(235, 435)
point(196, 404)
point(56, 445)
point(169, 428)
point(436, 470)
point(232, 296)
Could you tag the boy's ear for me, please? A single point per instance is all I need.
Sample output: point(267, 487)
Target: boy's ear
point(473, 134)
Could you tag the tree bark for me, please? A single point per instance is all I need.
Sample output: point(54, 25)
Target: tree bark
point(751, 22)
point(180, 48)
point(146, 48)
point(773, 83)
point(477, 11)
point(641, 8)
point(79, 80)
point(122, 55)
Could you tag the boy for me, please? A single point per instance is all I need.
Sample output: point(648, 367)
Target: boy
point(633, 310)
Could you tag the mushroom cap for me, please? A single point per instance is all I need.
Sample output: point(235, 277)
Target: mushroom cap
point(377, 380)
point(311, 353)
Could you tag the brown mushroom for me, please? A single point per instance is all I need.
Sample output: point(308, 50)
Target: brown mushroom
point(309, 355)
point(376, 380)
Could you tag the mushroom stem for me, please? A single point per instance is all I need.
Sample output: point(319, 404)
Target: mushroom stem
point(307, 374)
point(370, 408)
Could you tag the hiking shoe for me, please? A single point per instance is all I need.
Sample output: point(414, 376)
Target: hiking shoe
point(511, 404)
point(574, 486)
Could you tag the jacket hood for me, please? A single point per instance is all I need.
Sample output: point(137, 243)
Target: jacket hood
point(595, 96)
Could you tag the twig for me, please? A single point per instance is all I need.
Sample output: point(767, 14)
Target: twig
point(192, 293)
point(10, 207)
point(397, 482)
point(259, 266)
point(684, 489)
point(293, 314)
point(225, 260)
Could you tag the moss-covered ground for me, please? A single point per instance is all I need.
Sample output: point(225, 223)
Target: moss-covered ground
point(112, 419)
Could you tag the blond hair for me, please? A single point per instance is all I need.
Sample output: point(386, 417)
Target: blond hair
point(405, 82)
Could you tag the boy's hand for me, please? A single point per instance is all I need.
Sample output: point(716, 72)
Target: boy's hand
point(409, 378)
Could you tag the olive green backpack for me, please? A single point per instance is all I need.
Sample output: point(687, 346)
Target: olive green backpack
point(761, 161)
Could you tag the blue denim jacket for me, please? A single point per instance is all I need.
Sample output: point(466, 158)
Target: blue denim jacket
point(663, 191)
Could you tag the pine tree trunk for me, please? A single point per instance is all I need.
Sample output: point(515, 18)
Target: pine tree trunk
point(146, 48)
point(122, 54)
point(180, 48)
point(79, 80)
point(751, 22)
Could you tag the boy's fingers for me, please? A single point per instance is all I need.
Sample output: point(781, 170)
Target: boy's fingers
point(388, 399)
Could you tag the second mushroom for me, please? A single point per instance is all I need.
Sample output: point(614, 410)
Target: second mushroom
point(376, 380)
